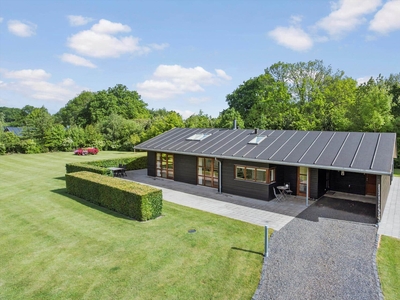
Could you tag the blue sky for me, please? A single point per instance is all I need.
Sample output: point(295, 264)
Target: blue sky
point(183, 55)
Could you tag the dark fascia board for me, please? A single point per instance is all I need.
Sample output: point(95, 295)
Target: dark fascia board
point(313, 166)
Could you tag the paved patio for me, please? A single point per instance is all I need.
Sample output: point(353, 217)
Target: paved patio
point(390, 223)
point(272, 213)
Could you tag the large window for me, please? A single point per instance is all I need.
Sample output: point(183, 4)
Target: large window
point(255, 174)
point(165, 165)
point(207, 172)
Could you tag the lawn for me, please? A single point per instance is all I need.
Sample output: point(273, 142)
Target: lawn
point(388, 259)
point(55, 246)
point(397, 172)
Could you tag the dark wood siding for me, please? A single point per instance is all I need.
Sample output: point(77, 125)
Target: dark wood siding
point(290, 176)
point(151, 163)
point(313, 182)
point(321, 182)
point(185, 168)
point(240, 187)
point(353, 183)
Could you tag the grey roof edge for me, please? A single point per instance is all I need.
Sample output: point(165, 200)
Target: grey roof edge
point(312, 166)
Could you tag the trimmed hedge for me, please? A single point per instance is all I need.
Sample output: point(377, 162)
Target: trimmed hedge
point(132, 199)
point(100, 166)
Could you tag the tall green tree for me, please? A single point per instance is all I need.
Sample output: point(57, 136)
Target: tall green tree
point(162, 124)
point(36, 124)
point(227, 117)
point(199, 120)
point(372, 107)
point(76, 112)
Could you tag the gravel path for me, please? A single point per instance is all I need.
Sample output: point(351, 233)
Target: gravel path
point(317, 257)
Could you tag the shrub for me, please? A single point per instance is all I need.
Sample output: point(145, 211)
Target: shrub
point(100, 166)
point(135, 200)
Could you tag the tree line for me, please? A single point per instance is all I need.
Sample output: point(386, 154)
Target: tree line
point(294, 96)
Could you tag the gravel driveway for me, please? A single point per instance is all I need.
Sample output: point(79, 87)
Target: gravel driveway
point(324, 253)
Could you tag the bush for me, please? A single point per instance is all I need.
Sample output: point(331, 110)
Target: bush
point(100, 166)
point(132, 199)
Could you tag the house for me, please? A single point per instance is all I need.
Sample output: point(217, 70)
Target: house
point(251, 163)
point(16, 130)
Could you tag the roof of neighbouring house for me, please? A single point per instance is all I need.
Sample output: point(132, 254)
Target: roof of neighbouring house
point(16, 130)
point(361, 152)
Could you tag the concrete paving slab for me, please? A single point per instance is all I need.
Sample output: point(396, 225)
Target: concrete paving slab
point(390, 223)
point(272, 213)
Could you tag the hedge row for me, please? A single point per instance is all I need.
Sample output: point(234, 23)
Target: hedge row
point(132, 199)
point(100, 166)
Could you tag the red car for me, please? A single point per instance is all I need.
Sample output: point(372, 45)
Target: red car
point(85, 151)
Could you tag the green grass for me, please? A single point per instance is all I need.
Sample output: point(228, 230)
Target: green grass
point(397, 172)
point(55, 246)
point(388, 259)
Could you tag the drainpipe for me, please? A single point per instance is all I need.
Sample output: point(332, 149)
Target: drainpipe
point(219, 176)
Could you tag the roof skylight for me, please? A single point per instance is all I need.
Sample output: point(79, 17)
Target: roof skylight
point(257, 140)
point(198, 137)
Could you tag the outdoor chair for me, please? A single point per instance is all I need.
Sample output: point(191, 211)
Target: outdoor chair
point(278, 196)
point(123, 171)
point(288, 190)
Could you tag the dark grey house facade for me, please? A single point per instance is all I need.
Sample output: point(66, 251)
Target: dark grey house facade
point(252, 163)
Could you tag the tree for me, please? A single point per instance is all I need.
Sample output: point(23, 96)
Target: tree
point(302, 79)
point(372, 107)
point(36, 124)
point(227, 117)
point(76, 111)
point(54, 137)
point(129, 103)
point(200, 120)
point(162, 124)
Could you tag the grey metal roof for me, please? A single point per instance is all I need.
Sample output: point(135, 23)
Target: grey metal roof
point(16, 130)
point(361, 152)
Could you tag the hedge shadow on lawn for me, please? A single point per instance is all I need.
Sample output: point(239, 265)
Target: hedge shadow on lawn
point(60, 178)
point(63, 192)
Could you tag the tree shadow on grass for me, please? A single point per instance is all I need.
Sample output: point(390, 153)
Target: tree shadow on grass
point(63, 192)
point(60, 178)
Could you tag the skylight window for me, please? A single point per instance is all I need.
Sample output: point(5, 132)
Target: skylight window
point(257, 140)
point(198, 136)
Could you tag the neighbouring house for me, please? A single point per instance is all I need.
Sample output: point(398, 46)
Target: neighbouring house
point(16, 130)
point(251, 163)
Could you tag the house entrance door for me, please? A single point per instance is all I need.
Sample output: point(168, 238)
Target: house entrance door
point(207, 172)
point(370, 185)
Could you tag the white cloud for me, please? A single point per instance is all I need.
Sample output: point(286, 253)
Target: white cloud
point(78, 20)
point(77, 60)
point(33, 84)
point(27, 74)
point(172, 80)
point(1, 20)
point(387, 19)
point(100, 41)
point(159, 46)
point(362, 80)
point(108, 27)
point(22, 29)
point(222, 74)
point(346, 15)
point(292, 37)
point(184, 113)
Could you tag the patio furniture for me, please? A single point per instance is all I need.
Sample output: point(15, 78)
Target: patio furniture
point(117, 172)
point(279, 196)
point(123, 169)
point(288, 190)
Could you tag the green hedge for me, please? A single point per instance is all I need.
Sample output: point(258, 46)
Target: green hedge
point(100, 166)
point(132, 199)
